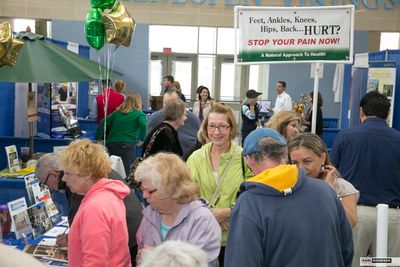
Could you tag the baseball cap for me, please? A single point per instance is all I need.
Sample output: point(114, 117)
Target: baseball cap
point(252, 93)
point(251, 142)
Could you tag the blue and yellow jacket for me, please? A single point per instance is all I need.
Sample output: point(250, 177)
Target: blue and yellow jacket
point(284, 218)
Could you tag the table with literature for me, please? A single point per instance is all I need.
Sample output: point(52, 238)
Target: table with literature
point(13, 186)
point(34, 218)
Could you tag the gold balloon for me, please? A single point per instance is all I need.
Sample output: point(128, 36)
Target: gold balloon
point(5, 38)
point(119, 25)
point(10, 58)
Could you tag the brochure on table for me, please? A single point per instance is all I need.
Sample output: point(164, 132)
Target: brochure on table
point(12, 159)
point(20, 218)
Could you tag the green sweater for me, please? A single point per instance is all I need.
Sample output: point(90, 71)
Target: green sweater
point(123, 127)
point(199, 164)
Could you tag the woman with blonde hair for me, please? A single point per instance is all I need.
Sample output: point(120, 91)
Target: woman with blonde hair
point(120, 86)
point(174, 211)
point(286, 123)
point(124, 130)
point(177, 86)
point(309, 152)
point(217, 166)
point(99, 233)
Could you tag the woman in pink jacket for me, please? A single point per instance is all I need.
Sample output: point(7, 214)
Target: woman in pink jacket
point(99, 234)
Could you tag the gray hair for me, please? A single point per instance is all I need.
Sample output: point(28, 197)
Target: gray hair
point(271, 149)
point(170, 175)
point(175, 254)
point(46, 163)
point(173, 110)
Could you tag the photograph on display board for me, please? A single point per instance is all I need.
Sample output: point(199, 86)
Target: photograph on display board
point(373, 85)
point(51, 209)
point(64, 93)
point(34, 190)
point(39, 219)
point(388, 90)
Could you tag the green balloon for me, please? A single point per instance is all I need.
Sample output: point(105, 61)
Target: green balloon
point(102, 4)
point(94, 29)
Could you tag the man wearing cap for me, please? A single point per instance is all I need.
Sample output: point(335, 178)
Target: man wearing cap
point(282, 217)
point(283, 100)
point(250, 113)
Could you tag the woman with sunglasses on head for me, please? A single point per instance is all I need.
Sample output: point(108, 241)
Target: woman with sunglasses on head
point(309, 152)
point(174, 211)
point(217, 166)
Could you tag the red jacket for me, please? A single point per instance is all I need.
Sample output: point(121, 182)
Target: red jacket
point(115, 99)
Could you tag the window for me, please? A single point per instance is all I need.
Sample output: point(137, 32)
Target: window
point(21, 25)
point(179, 38)
point(390, 40)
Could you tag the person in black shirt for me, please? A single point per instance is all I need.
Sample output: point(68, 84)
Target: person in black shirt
point(308, 116)
point(250, 113)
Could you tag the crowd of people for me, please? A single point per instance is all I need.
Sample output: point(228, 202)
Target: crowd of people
point(279, 199)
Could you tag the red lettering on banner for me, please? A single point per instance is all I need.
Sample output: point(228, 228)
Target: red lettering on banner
point(306, 41)
point(329, 41)
point(254, 42)
point(283, 41)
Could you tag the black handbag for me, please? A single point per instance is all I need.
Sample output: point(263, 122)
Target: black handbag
point(130, 179)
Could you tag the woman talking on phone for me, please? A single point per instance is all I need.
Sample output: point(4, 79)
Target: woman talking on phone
point(309, 152)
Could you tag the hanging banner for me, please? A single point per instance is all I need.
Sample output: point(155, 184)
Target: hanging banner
point(294, 34)
point(382, 78)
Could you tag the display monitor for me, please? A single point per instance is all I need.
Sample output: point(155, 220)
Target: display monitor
point(264, 105)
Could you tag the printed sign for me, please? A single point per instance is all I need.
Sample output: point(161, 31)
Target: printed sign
point(299, 34)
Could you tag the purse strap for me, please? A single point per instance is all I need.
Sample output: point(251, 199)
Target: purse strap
point(150, 143)
point(215, 198)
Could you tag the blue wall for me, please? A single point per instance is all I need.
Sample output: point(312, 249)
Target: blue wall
point(132, 62)
point(7, 100)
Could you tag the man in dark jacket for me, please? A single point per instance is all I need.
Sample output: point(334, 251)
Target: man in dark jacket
point(49, 173)
point(283, 217)
point(368, 156)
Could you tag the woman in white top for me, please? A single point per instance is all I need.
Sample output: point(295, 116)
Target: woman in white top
point(203, 103)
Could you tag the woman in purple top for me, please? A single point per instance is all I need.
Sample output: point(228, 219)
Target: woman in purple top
point(174, 211)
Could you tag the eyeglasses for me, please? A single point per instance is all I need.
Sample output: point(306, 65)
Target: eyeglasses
point(221, 128)
point(45, 181)
point(150, 192)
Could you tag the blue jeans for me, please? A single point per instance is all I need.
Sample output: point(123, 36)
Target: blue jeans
point(127, 152)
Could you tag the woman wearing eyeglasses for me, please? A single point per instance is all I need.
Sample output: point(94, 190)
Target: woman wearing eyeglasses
point(99, 234)
point(174, 211)
point(217, 166)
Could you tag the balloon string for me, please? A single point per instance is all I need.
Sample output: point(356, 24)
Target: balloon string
point(109, 62)
point(102, 89)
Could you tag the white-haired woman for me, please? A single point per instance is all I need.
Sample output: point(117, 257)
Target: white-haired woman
point(174, 211)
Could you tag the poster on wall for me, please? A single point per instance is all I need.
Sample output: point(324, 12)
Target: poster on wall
point(382, 78)
point(294, 34)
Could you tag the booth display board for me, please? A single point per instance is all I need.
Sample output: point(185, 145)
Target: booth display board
point(294, 34)
point(49, 97)
point(382, 78)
